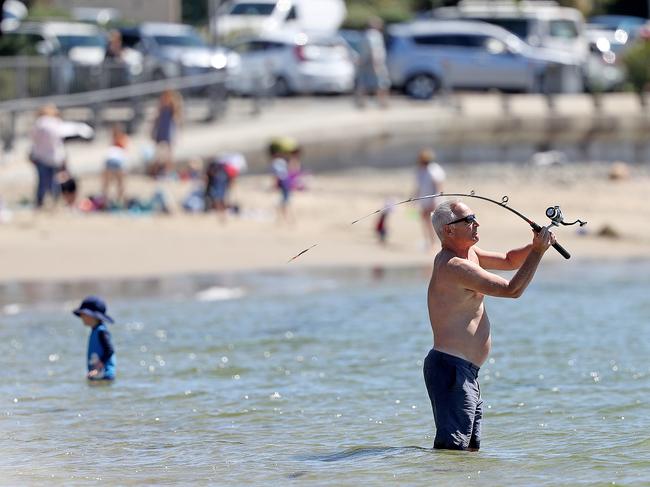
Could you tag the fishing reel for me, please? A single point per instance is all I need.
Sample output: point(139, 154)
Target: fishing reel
point(557, 219)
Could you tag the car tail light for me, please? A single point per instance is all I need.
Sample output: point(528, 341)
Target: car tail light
point(299, 52)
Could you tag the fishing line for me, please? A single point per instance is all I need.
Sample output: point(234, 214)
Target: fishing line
point(554, 213)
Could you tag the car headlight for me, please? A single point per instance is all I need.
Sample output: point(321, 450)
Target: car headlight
point(218, 60)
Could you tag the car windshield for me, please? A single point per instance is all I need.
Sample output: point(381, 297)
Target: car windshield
point(187, 40)
point(565, 29)
point(518, 27)
point(252, 8)
point(68, 42)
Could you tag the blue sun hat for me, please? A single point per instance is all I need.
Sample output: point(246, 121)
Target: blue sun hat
point(93, 306)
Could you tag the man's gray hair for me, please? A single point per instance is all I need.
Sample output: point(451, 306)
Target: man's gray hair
point(443, 215)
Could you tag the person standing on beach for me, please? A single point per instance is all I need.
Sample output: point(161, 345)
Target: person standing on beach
point(114, 166)
point(48, 152)
point(101, 354)
point(429, 177)
point(372, 73)
point(167, 120)
point(459, 321)
point(280, 150)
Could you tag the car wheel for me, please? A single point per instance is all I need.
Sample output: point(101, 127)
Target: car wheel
point(421, 86)
point(281, 87)
point(541, 83)
point(158, 75)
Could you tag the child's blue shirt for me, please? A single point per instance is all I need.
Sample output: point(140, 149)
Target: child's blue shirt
point(101, 348)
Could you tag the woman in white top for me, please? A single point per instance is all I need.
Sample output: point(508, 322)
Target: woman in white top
point(429, 177)
point(48, 152)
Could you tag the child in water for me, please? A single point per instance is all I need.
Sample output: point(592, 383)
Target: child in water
point(101, 354)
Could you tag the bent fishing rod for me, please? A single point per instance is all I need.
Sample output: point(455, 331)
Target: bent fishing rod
point(554, 213)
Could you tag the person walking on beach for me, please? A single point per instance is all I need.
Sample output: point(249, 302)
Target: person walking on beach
point(101, 354)
point(280, 150)
point(48, 152)
point(429, 177)
point(114, 166)
point(164, 129)
point(372, 73)
point(459, 321)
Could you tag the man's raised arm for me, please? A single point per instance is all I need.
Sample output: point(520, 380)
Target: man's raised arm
point(474, 277)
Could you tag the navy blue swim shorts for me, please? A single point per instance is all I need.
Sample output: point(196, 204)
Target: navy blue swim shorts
point(452, 384)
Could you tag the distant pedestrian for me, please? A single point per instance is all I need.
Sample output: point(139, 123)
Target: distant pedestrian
point(115, 49)
point(372, 73)
point(280, 150)
point(295, 169)
point(115, 60)
point(48, 150)
point(101, 353)
point(381, 228)
point(165, 126)
point(114, 166)
point(429, 178)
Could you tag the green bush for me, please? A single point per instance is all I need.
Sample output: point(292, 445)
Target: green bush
point(44, 11)
point(637, 62)
point(388, 10)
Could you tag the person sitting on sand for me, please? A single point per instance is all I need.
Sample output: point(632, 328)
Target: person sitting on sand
point(101, 354)
point(460, 324)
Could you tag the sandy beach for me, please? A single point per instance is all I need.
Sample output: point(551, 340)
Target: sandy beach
point(61, 244)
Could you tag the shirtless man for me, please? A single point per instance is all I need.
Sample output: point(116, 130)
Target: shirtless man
point(460, 324)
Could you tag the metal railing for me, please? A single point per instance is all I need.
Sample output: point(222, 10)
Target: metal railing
point(106, 88)
point(31, 76)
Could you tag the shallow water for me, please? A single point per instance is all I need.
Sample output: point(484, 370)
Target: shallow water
point(277, 379)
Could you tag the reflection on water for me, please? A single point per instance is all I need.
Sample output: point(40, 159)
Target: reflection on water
point(260, 379)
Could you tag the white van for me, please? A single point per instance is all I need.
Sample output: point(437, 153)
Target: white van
point(247, 17)
point(539, 23)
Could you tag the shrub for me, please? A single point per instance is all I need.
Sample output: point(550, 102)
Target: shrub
point(637, 62)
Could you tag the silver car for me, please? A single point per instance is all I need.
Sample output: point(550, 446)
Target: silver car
point(425, 56)
point(286, 63)
point(76, 54)
point(170, 50)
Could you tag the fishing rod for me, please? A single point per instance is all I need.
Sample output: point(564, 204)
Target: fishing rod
point(554, 213)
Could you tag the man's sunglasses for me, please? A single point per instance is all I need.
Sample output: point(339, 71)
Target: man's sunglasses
point(467, 219)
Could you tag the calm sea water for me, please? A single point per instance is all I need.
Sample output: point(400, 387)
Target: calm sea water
point(316, 378)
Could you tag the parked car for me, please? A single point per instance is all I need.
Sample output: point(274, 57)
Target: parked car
point(27, 71)
point(254, 17)
point(170, 50)
point(540, 24)
point(81, 48)
point(285, 63)
point(627, 23)
point(604, 70)
point(425, 56)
